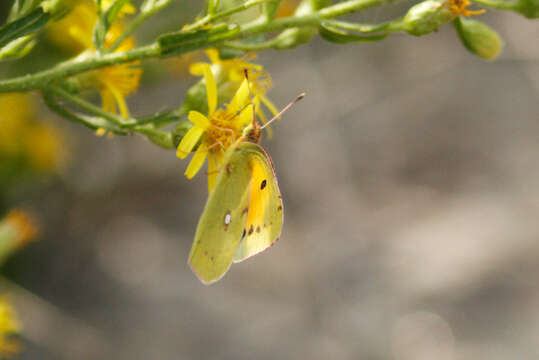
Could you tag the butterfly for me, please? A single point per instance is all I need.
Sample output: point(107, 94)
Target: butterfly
point(244, 212)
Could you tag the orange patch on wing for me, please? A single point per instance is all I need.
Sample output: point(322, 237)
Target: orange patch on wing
point(259, 195)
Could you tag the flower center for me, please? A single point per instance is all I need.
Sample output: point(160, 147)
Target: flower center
point(222, 132)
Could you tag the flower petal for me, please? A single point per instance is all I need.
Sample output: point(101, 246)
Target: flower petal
point(213, 54)
point(189, 141)
point(241, 98)
point(198, 119)
point(245, 118)
point(211, 85)
point(197, 161)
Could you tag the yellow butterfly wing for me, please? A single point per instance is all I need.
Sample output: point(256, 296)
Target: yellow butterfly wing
point(222, 234)
point(265, 212)
point(220, 227)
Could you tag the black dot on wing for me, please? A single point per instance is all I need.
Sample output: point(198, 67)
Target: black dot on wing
point(251, 229)
point(263, 184)
point(243, 234)
point(258, 229)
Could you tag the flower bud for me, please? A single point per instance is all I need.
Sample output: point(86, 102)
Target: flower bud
point(479, 38)
point(195, 98)
point(426, 17)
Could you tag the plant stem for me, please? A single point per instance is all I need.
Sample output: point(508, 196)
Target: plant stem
point(502, 5)
point(87, 106)
point(75, 66)
point(210, 18)
point(90, 122)
point(81, 64)
point(365, 28)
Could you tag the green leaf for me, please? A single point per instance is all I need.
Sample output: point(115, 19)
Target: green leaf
point(18, 48)
point(28, 24)
point(184, 41)
point(334, 35)
point(105, 20)
point(212, 6)
point(270, 8)
point(21, 8)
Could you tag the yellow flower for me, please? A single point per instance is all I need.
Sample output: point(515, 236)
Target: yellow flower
point(217, 131)
point(230, 75)
point(9, 325)
point(126, 9)
point(117, 82)
point(460, 7)
point(75, 33)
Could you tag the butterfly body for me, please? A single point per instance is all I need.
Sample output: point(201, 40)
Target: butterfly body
point(244, 213)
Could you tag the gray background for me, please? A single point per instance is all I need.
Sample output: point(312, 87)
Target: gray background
point(410, 183)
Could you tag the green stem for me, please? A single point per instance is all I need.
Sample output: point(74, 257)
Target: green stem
point(502, 5)
point(268, 44)
point(210, 18)
point(365, 28)
point(90, 122)
point(40, 80)
point(75, 66)
point(87, 106)
point(161, 138)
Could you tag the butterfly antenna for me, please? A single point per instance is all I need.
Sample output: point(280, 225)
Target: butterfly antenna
point(301, 96)
point(251, 96)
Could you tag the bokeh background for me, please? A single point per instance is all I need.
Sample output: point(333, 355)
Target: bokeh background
point(410, 182)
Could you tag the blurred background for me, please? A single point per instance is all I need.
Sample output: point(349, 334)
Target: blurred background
point(410, 182)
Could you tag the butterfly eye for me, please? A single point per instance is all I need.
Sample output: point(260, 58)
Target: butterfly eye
point(263, 184)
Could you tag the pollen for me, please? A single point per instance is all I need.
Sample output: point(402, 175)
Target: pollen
point(221, 132)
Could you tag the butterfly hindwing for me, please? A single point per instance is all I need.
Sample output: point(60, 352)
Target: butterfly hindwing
point(221, 224)
point(265, 211)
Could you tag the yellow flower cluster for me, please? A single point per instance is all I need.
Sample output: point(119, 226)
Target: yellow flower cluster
point(23, 138)
point(217, 131)
point(74, 33)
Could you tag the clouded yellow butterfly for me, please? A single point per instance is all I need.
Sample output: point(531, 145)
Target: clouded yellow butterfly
point(244, 213)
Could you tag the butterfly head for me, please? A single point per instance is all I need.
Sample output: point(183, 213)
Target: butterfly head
point(253, 132)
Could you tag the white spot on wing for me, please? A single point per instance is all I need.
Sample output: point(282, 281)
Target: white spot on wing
point(228, 218)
